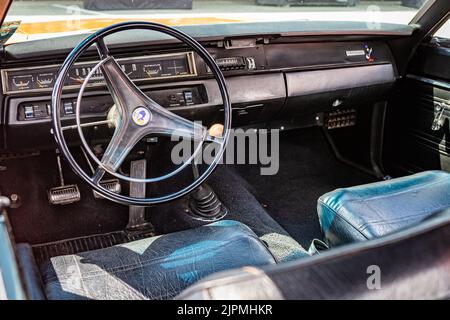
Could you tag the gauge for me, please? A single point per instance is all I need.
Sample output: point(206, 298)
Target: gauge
point(153, 70)
point(131, 70)
point(97, 76)
point(21, 82)
point(78, 74)
point(45, 80)
point(174, 67)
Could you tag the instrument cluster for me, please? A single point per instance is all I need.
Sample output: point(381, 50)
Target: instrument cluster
point(35, 79)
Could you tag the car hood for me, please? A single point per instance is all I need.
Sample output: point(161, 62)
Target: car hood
point(4, 6)
point(48, 29)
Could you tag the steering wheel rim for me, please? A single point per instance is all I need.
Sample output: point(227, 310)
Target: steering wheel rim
point(97, 38)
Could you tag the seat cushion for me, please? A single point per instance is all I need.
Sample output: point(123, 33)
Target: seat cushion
point(154, 268)
point(377, 209)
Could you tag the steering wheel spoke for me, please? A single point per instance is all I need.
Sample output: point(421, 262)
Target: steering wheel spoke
point(125, 137)
point(126, 95)
point(209, 138)
point(102, 49)
point(167, 123)
point(98, 175)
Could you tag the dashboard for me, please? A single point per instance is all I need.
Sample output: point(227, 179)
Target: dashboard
point(269, 81)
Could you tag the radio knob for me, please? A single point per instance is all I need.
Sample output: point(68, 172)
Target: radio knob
point(251, 64)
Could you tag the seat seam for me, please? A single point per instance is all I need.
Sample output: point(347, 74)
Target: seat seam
point(365, 225)
point(397, 192)
point(339, 215)
point(394, 220)
point(337, 210)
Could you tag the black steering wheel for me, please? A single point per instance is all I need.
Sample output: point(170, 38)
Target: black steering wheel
point(137, 115)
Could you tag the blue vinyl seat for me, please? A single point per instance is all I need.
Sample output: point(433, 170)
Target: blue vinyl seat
point(377, 209)
point(154, 268)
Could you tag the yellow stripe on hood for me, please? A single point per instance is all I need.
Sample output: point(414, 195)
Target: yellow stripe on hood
point(88, 24)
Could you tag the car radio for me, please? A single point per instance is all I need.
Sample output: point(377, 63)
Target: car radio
point(236, 63)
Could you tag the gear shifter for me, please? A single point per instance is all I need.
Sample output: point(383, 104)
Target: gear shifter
point(203, 201)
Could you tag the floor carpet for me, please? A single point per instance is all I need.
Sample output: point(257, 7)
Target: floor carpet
point(35, 221)
point(307, 170)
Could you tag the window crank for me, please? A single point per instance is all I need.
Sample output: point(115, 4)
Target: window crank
point(439, 108)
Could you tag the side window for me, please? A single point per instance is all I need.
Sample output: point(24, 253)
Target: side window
point(443, 31)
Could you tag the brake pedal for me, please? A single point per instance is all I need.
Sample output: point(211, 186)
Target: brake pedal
point(63, 194)
point(112, 185)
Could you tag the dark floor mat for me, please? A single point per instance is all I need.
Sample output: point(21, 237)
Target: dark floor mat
point(35, 221)
point(43, 252)
point(307, 170)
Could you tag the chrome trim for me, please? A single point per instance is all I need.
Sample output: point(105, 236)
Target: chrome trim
point(189, 55)
point(437, 83)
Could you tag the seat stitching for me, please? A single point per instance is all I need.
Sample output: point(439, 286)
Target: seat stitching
point(397, 192)
point(338, 209)
point(339, 215)
point(365, 226)
point(394, 220)
point(321, 200)
point(376, 222)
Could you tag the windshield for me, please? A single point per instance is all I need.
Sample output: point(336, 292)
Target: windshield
point(49, 18)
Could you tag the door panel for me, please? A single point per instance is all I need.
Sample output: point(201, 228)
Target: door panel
point(418, 133)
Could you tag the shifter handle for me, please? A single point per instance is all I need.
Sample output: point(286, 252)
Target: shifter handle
point(216, 130)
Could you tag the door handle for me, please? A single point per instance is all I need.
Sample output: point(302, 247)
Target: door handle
point(439, 108)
